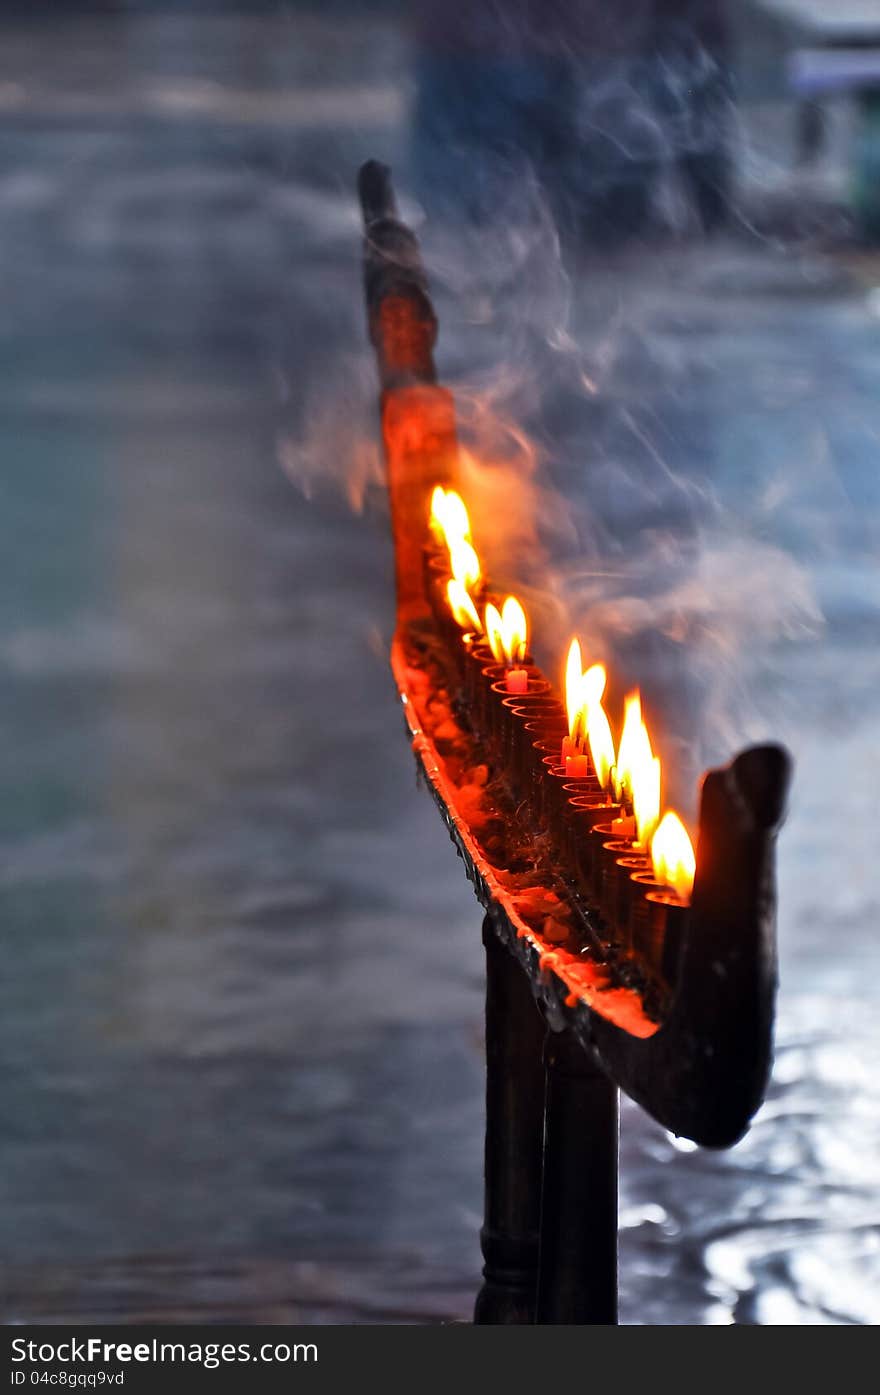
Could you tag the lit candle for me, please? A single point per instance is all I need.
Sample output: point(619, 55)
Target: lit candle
point(623, 828)
point(571, 745)
point(576, 766)
point(516, 680)
point(672, 856)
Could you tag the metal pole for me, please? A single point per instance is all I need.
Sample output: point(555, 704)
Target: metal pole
point(514, 1141)
point(577, 1280)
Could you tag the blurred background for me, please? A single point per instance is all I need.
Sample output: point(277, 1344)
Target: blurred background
point(242, 999)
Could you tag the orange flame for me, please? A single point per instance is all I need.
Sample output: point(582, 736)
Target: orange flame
point(514, 630)
point(507, 631)
point(646, 795)
point(573, 685)
point(601, 742)
point(436, 517)
point(462, 606)
point(595, 722)
point(493, 632)
point(672, 854)
point(627, 753)
point(582, 690)
point(464, 562)
point(451, 524)
point(449, 517)
point(593, 686)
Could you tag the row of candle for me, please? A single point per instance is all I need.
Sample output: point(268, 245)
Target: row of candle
point(602, 807)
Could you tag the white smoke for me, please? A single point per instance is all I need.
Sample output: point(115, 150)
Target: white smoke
point(599, 400)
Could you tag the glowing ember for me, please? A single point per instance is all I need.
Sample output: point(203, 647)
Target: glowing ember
point(672, 854)
point(462, 607)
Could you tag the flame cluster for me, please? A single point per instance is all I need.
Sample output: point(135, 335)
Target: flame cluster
point(450, 524)
point(507, 629)
point(633, 771)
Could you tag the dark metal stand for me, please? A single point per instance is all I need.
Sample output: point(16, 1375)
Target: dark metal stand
point(577, 1280)
point(552, 1153)
point(514, 1140)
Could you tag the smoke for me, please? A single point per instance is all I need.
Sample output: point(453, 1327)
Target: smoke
point(601, 398)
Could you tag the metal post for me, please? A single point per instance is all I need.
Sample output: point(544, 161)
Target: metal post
point(514, 1141)
point(577, 1280)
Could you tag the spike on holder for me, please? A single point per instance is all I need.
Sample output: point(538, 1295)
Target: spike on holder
point(676, 1006)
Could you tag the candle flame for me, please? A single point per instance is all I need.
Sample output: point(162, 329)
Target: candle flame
point(573, 685)
point(514, 630)
point(462, 606)
point(449, 517)
point(493, 632)
point(451, 524)
point(646, 798)
point(464, 562)
point(601, 742)
point(592, 716)
point(672, 854)
point(627, 752)
point(635, 769)
point(436, 517)
point(583, 691)
point(593, 686)
point(641, 778)
point(507, 631)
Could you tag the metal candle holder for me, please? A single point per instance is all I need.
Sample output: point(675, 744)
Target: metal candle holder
point(699, 1064)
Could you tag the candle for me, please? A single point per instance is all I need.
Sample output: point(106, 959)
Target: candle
point(517, 680)
point(576, 767)
point(623, 828)
point(569, 748)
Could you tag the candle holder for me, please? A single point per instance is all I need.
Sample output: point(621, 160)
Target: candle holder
point(606, 880)
point(588, 789)
point(601, 832)
point(478, 657)
point(531, 716)
point(627, 866)
point(581, 816)
point(483, 700)
point(696, 1059)
point(545, 749)
point(642, 884)
point(553, 779)
point(502, 701)
point(668, 918)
